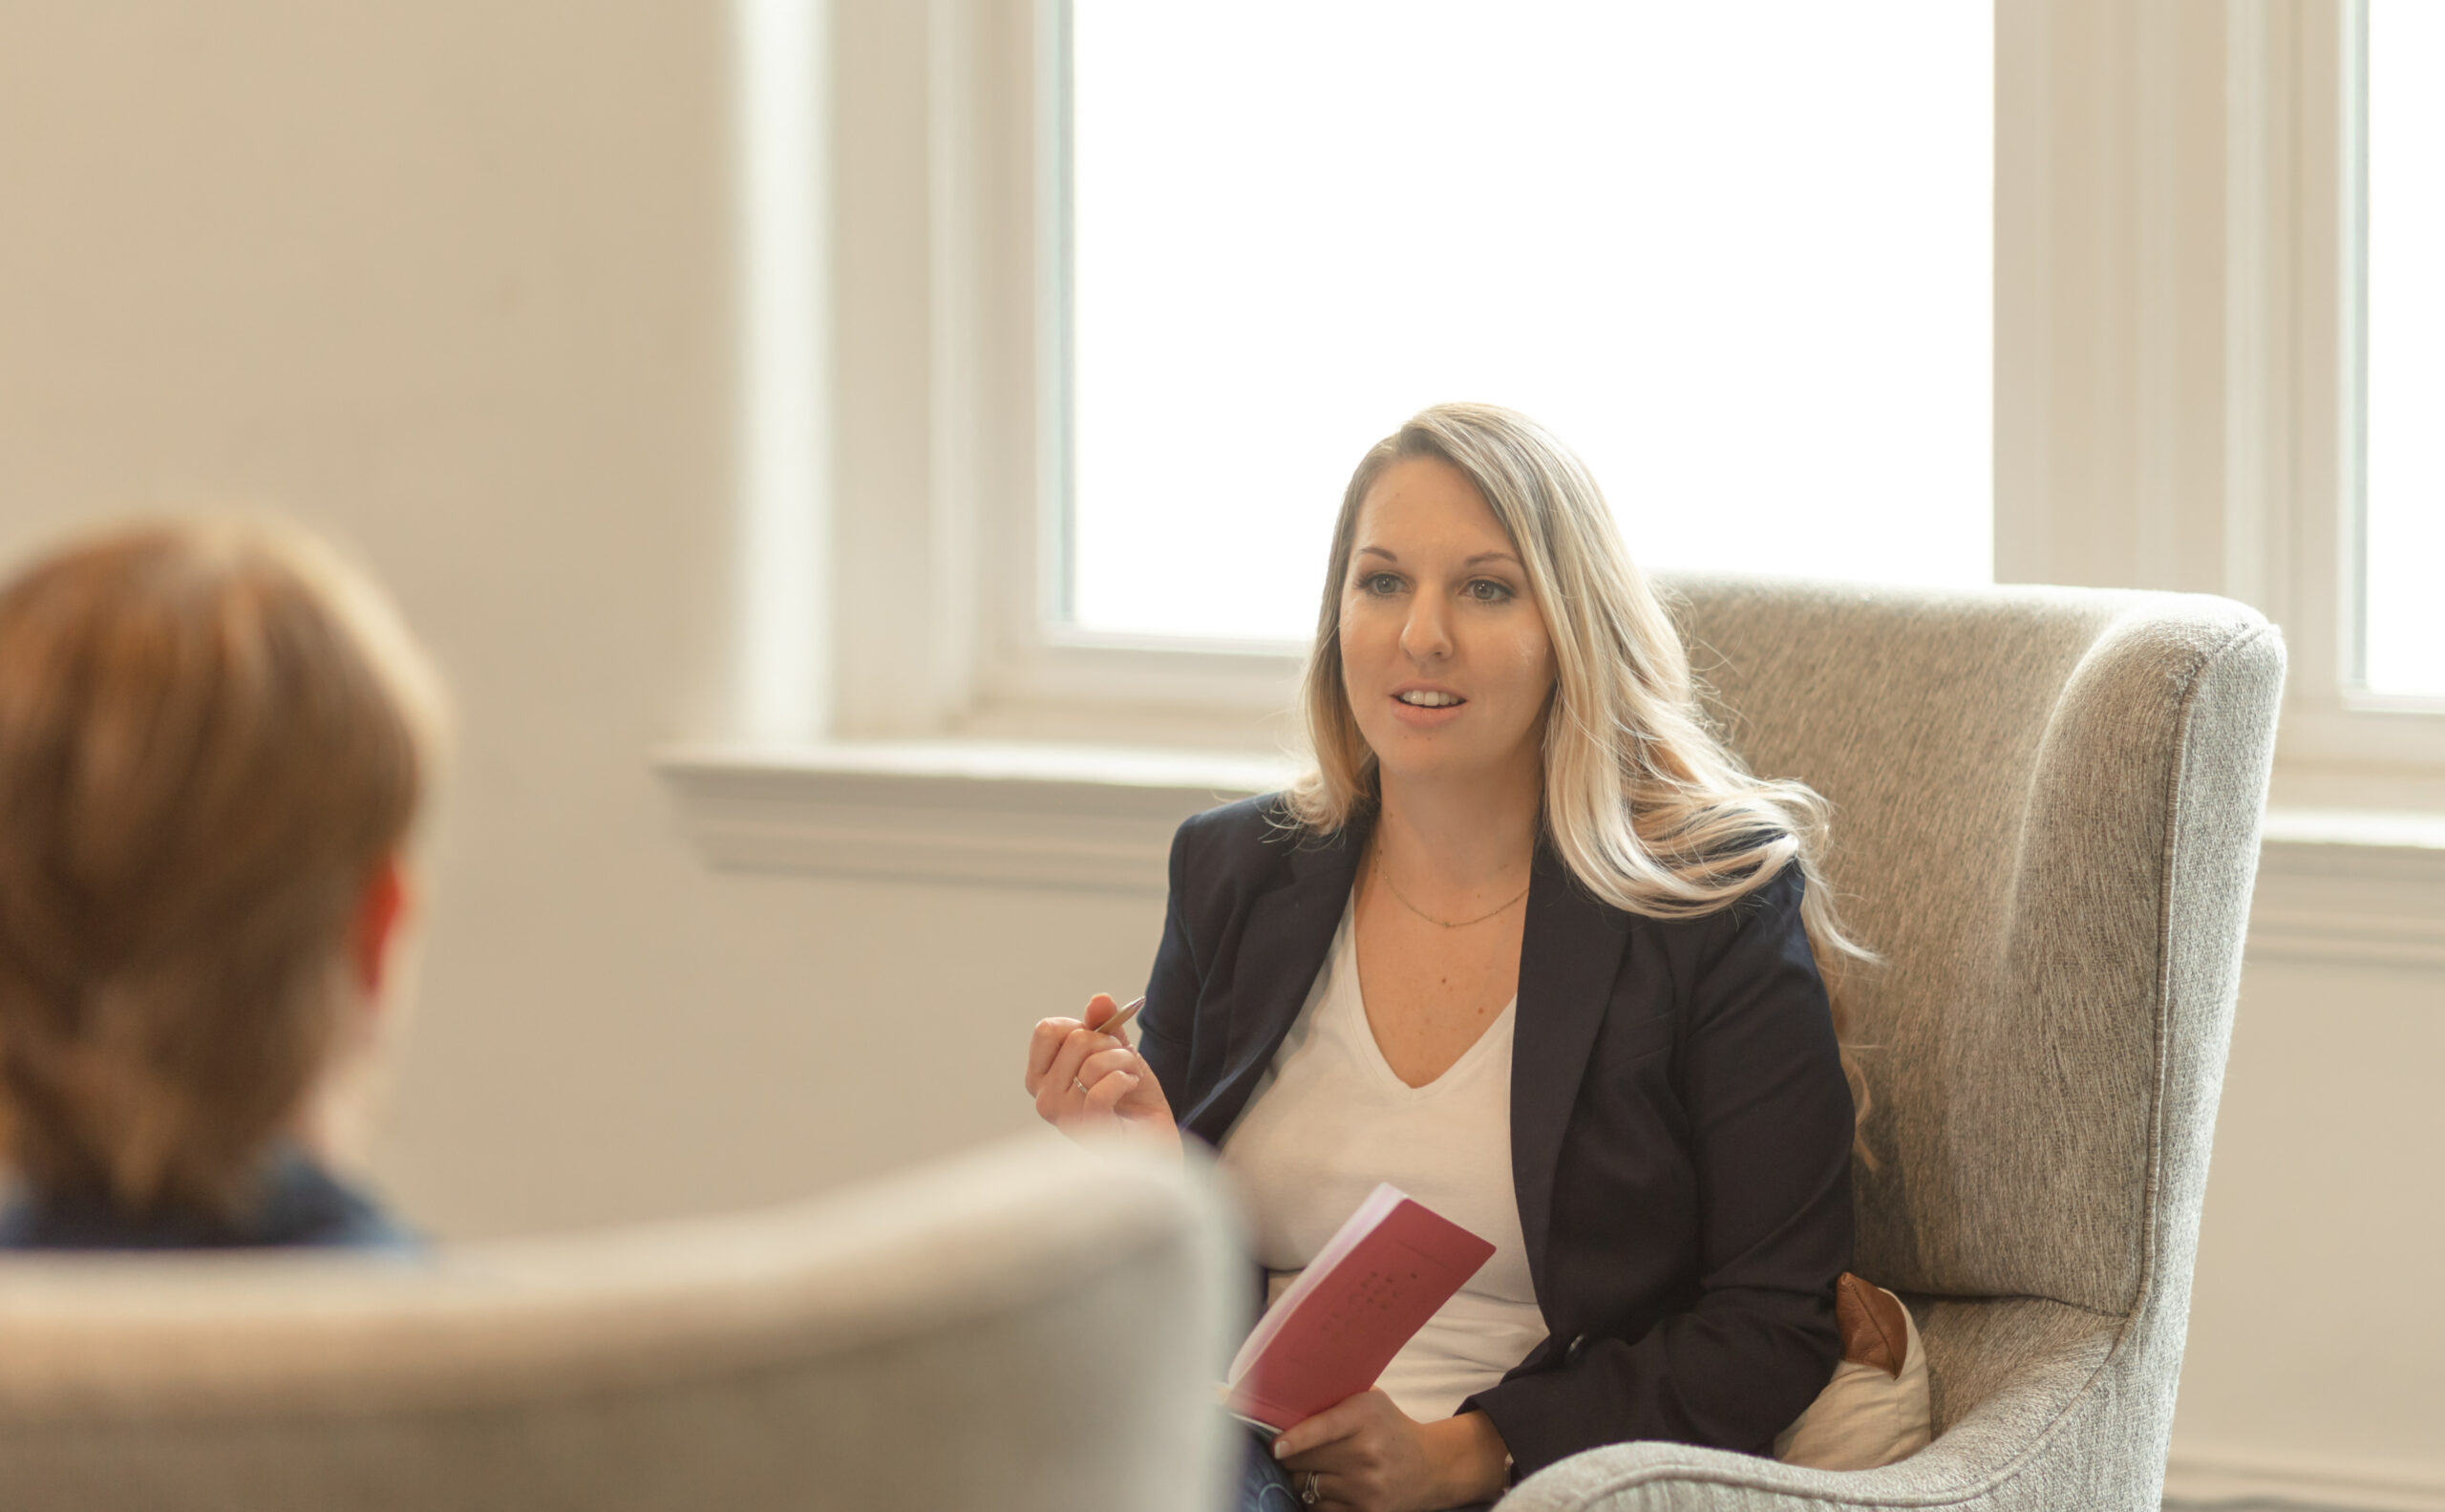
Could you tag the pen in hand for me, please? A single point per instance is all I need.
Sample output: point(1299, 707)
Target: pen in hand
point(1119, 1021)
point(1114, 1026)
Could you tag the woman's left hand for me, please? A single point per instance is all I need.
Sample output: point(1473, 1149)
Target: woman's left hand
point(1368, 1456)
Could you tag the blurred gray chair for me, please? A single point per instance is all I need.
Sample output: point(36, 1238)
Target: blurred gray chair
point(1028, 1327)
point(2047, 815)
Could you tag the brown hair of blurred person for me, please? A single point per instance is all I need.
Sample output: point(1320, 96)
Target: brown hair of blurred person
point(214, 741)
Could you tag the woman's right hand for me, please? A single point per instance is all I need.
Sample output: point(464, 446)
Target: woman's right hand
point(1087, 1082)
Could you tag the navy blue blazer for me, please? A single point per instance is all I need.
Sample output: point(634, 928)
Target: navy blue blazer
point(1680, 1126)
point(297, 1203)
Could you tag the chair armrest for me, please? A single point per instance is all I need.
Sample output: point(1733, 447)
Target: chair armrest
point(1680, 1477)
point(2003, 1454)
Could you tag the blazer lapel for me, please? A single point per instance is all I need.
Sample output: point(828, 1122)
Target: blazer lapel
point(1290, 931)
point(1570, 951)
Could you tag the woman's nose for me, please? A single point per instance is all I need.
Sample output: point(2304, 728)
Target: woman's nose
point(1426, 634)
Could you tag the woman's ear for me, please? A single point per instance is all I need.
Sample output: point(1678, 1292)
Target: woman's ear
point(380, 914)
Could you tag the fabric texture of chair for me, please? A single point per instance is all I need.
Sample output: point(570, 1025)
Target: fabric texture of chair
point(2047, 807)
point(1028, 1327)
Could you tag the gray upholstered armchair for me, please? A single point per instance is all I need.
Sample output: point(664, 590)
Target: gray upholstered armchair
point(1025, 1328)
point(2047, 813)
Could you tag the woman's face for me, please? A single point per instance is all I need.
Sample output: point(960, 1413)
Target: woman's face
point(1445, 654)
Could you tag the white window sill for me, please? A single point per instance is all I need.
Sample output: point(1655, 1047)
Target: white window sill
point(2341, 886)
point(1081, 817)
point(2351, 886)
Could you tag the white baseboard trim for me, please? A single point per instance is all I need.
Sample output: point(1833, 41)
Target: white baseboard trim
point(2238, 1481)
point(1080, 819)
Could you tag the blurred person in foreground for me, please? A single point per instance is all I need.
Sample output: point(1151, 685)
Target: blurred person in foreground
point(214, 738)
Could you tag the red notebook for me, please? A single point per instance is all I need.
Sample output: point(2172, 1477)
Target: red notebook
point(1372, 1287)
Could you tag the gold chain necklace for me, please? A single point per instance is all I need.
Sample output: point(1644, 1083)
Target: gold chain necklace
point(1448, 924)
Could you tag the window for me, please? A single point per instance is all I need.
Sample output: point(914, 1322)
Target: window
point(1044, 363)
point(1736, 257)
point(2403, 633)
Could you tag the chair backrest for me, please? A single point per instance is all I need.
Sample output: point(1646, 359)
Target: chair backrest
point(1025, 1328)
point(2045, 819)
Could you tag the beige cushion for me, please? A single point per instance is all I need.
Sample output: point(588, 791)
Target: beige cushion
point(1025, 1328)
point(1867, 1416)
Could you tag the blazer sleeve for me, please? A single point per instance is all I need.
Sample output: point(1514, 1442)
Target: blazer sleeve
point(1164, 1024)
point(1769, 1131)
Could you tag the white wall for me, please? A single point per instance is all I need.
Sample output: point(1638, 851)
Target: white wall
point(2316, 1364)
point(449, 280)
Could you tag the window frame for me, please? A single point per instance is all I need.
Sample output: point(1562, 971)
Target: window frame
point(948, 506)
point(2340, 743)
point(2174, 185)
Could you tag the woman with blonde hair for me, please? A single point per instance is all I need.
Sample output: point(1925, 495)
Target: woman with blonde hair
point(1531, 944)
point(214, 740)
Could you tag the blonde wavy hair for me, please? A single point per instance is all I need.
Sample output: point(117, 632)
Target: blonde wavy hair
point(1643, 802)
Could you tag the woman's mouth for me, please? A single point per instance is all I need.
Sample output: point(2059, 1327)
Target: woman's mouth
point(1429, 699)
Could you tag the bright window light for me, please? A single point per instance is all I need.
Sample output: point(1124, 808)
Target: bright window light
point(1737, 256)
point(2404, 629)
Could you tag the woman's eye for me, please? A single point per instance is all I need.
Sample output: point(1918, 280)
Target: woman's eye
point(1486, 590)
point(1379, 583)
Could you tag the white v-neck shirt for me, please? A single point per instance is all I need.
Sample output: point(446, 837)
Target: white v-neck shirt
point(1330, 1119)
